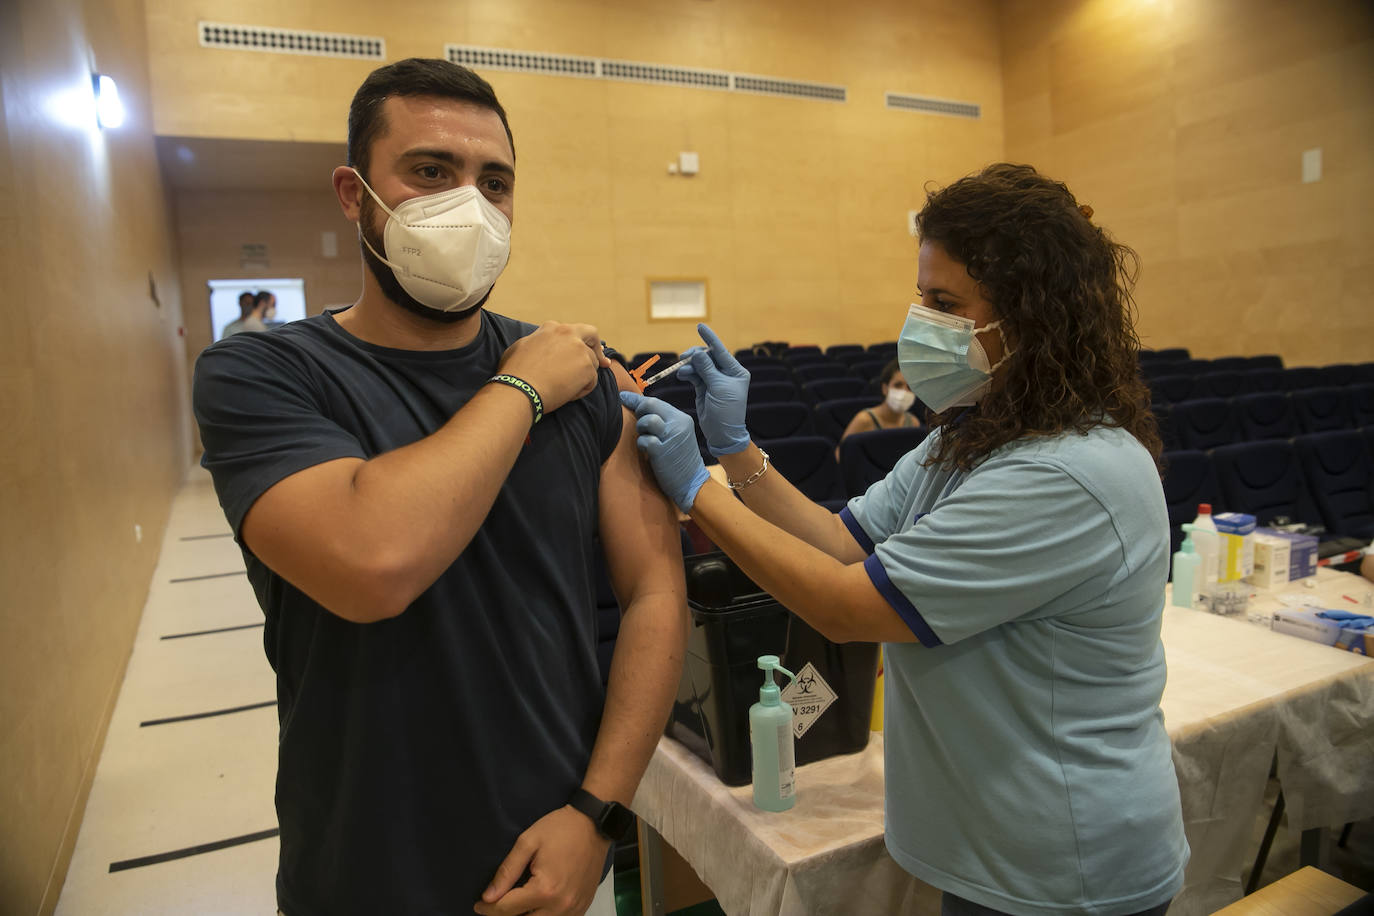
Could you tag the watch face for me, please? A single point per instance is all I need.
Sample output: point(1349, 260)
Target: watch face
point(616, 820)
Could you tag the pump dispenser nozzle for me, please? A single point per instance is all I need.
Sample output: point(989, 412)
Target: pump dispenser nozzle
point(769, 694)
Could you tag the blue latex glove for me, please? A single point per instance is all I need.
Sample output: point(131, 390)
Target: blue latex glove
point(722, 387)
point(666, 435)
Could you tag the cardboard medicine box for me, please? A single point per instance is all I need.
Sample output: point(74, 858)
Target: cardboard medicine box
point(1304, 622)
point(1236, 554)
point(1302, 552)
point(1271, 561)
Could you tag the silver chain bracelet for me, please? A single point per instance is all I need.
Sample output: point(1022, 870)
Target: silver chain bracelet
point(752, 478)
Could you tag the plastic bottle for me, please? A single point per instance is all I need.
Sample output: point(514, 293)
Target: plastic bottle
point(1208, 545)
point(770, 738)
point(1187, 573)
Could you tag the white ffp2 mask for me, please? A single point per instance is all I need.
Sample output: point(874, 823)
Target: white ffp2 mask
point(446, 249)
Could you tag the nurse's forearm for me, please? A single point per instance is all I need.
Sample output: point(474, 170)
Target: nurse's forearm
point(774, 498)
point(805, 580)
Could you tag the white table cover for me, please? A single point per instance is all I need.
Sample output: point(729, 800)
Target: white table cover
point(1237, 695)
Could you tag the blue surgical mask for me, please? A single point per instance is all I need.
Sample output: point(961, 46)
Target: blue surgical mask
point(942, 360)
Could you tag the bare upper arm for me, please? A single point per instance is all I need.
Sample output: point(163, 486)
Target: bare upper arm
point(639, 528)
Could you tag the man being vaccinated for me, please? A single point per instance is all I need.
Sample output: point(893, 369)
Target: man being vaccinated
point(417, 485)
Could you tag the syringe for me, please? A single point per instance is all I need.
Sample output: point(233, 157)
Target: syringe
point(667, 372)
point(638, 372)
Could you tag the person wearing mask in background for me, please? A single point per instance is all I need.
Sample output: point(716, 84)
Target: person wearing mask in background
point(417, 484)
point(253, 313)
point(892, 412)
point(1013, 564)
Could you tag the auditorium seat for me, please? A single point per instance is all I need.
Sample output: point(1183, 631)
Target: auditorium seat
point(1299, 377)
point(1264, 479)
point(810, 372)
point(1205, 423)
point(885, 350)
point(844, 352)
point(1364, 372)
point(1164, 418)
point(778, 420)
point(1266, 361)
point(766, 392)
point(1268, 379)
point(1189, 479)
point(769, 372)
point(1321, 409)
point(866, 458)
point(665, 359)
point(832, 416)
point(1361, 404)
point(680, 395)
point(1338, 374)
point(1340, 476)
point(830, 388)
point(868, 369)
point(808, 462)
point(1192, 366)
point(1266, 415)
point(748, 358)
point(1231, 363)
point(1172, 354)
point(1161, 368)
point(1217, 385)
point(1172, 388)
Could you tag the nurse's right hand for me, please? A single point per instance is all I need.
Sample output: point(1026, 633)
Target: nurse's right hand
point(722, 390)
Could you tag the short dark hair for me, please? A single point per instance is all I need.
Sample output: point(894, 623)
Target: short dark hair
point(246, 303)
point(414, 76)
point(262, 296)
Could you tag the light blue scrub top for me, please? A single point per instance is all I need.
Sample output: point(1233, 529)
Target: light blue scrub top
point(1028, 768)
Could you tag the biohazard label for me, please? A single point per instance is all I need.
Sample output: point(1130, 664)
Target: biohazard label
point(809, 696)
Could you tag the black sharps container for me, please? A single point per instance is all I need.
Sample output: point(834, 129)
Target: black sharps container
point(733, 623)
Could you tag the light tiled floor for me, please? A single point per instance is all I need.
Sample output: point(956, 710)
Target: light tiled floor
point(164, 788)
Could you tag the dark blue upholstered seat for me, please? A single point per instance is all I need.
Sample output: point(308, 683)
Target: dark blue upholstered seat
point(866, 458)
point(1206, 423)
point(1340, 476)
point(1266, 415)
point(808, 462)
point(1264, 479)
point(1322, 409)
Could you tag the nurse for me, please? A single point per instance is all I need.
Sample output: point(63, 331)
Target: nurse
point(1013, 565)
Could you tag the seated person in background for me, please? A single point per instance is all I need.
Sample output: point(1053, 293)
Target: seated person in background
point(892, 412)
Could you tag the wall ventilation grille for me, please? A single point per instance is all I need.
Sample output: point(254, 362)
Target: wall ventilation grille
point(637, 72)
point(290, 41)
point(525, 61)
point(933, 106)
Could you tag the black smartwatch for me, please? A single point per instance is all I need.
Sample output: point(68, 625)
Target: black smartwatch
point(612, 819)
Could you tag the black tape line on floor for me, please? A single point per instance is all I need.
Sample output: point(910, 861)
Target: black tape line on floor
point(241, 572)
point(141, 861)
point(207, 715)
point(246, 626)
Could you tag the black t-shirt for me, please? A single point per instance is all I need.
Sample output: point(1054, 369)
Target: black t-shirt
point(413, 751)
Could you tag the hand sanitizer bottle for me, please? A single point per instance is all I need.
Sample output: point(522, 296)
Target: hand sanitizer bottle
point(1187, 573)
point(770, 737)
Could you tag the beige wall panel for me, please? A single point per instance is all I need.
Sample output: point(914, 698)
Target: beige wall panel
point(1283, 214)
point(94, 415)
point(798, 201)
point(1183, 125)
point(1224, 40)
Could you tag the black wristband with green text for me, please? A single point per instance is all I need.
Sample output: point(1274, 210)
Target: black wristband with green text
point(520, 384)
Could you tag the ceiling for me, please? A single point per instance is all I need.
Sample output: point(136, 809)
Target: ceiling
point(212, 164)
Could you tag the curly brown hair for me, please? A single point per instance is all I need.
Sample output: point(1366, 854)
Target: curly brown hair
point(1062, 287)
